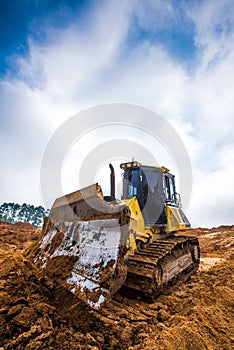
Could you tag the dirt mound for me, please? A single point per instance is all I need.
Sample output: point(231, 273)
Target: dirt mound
point(17, 236)
point(36, 314)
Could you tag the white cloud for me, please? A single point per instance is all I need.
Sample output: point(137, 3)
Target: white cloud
point(91, 63)
point(72, 62)
point(155, 14)
point(214, 26)
point(212, 202)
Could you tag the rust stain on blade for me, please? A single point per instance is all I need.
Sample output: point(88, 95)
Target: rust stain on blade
point(98, 269)
point(83, 245)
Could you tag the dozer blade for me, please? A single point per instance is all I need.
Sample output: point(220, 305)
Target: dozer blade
point(83, 245)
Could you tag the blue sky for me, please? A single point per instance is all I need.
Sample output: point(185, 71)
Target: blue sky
point(176, 58)
point(22, 19)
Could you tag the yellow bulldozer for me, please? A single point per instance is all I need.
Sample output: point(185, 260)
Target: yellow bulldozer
point(94, 244)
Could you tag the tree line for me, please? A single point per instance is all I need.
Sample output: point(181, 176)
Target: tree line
point(14, 212)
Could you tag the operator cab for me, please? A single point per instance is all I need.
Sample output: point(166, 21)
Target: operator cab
point(154, 187)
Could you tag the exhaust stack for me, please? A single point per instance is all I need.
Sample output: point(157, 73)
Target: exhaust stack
point(112, 181)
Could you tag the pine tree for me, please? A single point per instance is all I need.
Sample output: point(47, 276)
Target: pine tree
point(14, 212)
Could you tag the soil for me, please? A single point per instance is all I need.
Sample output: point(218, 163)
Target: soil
point(195, 314)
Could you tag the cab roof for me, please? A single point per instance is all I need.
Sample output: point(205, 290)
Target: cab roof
point(135, 165)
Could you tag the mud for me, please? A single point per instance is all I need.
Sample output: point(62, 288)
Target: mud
point(35, 313)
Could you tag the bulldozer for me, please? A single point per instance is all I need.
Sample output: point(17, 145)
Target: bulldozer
point(94, 245)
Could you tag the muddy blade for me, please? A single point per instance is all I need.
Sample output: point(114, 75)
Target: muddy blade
point(86, 256)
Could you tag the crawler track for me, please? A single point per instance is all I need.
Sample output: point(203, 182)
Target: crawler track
point(160, 264)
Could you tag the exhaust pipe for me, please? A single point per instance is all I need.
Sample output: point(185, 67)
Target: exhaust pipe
point(112, 181)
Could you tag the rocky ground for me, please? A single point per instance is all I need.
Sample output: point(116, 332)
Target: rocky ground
point(195, 315)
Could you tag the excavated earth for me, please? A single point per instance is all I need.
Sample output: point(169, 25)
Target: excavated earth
point(195, 314)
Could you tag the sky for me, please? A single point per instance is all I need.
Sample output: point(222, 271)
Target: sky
point(176, 58)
